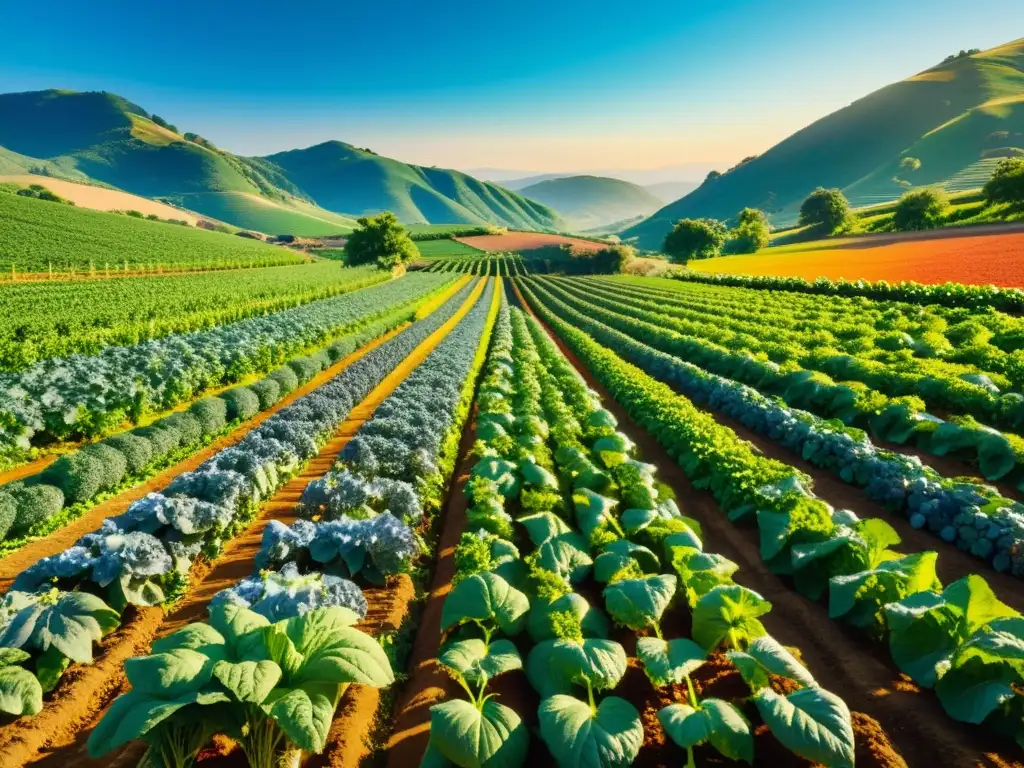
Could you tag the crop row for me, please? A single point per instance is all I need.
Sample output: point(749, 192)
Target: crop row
point(947, 294)
point(42, 320)
point(504, 264)
point(568, 471)
point(61, 398)
point(144, 556)
point(959, 640)
point(959, 389)
point(40, 504)
point(999, 456)
point(307, 593)
point(973, 516)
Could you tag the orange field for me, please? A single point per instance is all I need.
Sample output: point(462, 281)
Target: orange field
point(996, 259)
point(525, 241)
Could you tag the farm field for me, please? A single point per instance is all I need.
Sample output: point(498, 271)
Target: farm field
point(615, 490)
point(960, 257)
point(525, 241)
point(38, 236)
point(446, 248)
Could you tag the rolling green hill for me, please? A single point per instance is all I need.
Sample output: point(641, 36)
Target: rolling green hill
point(949, 117)
point(101, 136)
point(345, 178)
point(593, 201)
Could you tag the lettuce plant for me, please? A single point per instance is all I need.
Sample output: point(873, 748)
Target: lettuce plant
point(54, 629)
point(273, 687)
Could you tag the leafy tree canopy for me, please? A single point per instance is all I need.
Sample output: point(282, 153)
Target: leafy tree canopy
point(381, 239)
point(825, 209)
point(695, 239)
point(920, 209)
point(1007, 183)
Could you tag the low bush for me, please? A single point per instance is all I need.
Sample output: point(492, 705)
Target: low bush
point(305, 368)
point(920, 209)
point(211, 413)
point(242, 402)
point(186, 425)
point(8, 513)
point(267, 391)
point(136, 449)
point(285, 378)
point(163, 439)
point(35, 503)
point(341, 349)
point(86, 472)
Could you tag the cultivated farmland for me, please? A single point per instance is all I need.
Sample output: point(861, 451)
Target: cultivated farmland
point(624, 502)
point(525, 241)
point(936, 257)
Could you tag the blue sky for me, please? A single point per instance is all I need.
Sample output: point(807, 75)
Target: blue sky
point(540, 86)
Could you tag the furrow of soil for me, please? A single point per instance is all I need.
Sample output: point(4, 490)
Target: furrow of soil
point(842, 659)
point(236, 561)
point(428, 683)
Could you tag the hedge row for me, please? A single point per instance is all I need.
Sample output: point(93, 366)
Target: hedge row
point(101, 467)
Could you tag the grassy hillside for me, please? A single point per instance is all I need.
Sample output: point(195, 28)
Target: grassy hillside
point(345, 178)
point(37, 234)
point(593, 201)
point(949, 117)
point(104, 137)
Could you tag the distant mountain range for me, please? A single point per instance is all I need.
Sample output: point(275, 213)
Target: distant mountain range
point(590, 202)
point(948, 126)
point(318, 190)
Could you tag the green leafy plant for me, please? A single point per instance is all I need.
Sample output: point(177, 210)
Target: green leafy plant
point(273, 687)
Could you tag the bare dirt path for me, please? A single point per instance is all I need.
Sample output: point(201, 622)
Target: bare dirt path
point(842, 659)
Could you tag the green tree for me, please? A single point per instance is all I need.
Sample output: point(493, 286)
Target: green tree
point(695, 239)
point(920, 209)
point(1007, 183)
point(381, 239)
point(826, 210)
point(910, 164)
point(750, 233)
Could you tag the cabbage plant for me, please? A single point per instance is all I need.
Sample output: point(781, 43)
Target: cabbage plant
point(271, 686)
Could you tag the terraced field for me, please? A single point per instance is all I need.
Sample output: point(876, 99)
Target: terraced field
point(477, 517)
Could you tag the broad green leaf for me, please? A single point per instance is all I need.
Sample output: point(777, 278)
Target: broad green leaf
point(925, 631)
point(169, 675)
point(485, 598)
point(617, 555)
point(250, 681)
point(195, 637)
point(973, 689)
point(700, 572)
point(50, 667)
point(766, 656)
point(71, 624)
point(811, 722)
point(567, 555)
point(669, 662)
point(478, 662)
point(11, 656)
point(714, 722)
point(543, 526)
point(579, 737)
point(491, 737)
point(728, 613)
point(602, 662)
point(540, 625)
point(639, 603)
point(859, 597)
point(546, 678)
point(304, 713)
point(272, 644)
point(592, 509)
point(334, 651)
point(432, 757)
point(232, 621)
point(20, 692)
point(134, 714)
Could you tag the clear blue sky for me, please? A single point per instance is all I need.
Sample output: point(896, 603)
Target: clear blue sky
point(535, 85)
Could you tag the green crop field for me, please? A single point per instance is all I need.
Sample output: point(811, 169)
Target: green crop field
point(430, 249)
point(37, 235)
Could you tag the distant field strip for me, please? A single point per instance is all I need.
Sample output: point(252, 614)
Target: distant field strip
point(975, 260)
point(525, 241)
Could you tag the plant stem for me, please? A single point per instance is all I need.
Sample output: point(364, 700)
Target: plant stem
point(733, 641)
point(657, 630)
point(689, 758)
point(693, 694)
point(590, 696)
